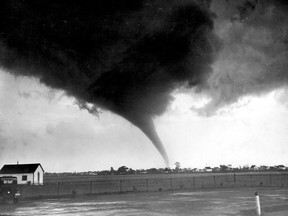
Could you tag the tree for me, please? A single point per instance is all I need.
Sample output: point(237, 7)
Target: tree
point(152, 171)
point(263, 167)
point(112, 171)
point(122, 170)
point(167, 170)
point(177, 166)
point(131, 171)
point(223, 167)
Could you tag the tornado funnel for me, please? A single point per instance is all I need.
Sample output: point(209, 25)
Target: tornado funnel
point(146, 125)
point(149, 129)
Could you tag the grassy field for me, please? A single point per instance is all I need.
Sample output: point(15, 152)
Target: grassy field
point(224, 202)
point(71, 178)
point(85, 185)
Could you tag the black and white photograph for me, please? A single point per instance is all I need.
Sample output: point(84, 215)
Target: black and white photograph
point(144, 107)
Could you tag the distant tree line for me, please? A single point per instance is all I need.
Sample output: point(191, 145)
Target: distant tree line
point(124, 170)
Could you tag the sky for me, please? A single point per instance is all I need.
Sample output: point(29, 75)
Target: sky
point(237, 116)
point(43, 125)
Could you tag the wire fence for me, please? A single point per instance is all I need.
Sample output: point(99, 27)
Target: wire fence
point(126, 184)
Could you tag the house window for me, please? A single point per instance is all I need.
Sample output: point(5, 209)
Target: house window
point(24, 178)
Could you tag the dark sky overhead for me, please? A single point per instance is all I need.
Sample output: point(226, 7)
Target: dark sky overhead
point(253, 59)
point(124, 56)
point(129, 56)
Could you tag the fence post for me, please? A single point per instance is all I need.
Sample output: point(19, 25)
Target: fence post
point(171, 185)
point(91, 187)
point(234, 178)
point(58, 185)
point(250, 180)
point(120, 186)
point(270, 180)
point(194, 185)
point(258, 207)
point(214, 177)
point(147, 185)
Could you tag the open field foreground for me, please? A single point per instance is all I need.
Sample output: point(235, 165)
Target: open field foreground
point(75, 186)
point(71, 178)
point(274, 202)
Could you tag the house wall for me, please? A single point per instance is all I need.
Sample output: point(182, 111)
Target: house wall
point(36, 181)
point(20, 177)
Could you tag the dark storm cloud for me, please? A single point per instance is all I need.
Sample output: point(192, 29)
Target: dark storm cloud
point(126, 56)
point(253, 59)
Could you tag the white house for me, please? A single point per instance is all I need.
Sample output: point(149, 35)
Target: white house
point(25, 173)
point(207, 169)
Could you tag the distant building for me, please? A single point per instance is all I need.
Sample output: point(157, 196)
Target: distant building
point(194, 170)
point(216, 169)
point(254, 167)
point(207, 169)
point(229, 167)
point(25, 173)
point(280, 167)
point(263, 167)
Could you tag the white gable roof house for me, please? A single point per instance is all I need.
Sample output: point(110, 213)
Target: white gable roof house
point(31, 174)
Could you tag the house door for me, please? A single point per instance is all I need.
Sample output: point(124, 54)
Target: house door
point(38, 177)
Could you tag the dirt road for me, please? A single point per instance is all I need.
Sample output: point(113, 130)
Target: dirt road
point(181, 203)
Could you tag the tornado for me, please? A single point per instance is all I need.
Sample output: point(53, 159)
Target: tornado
point(146, 125)
point(148, 128)
point(125, 56)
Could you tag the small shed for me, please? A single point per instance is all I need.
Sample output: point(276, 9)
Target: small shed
point(25, 173)
point(207, 169)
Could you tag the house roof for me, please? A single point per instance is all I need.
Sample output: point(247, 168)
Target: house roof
point(20, 168)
